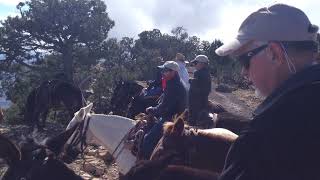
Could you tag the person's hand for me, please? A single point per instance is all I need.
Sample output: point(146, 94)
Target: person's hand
point(149, 110)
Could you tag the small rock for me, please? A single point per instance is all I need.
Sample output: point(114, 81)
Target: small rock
point(92, 152)
point(106, 156)
point(92, 169)
point(225, 88)
point(86, 176)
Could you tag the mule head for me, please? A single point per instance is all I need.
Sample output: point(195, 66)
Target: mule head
point(176, 128)
point(9, 151)
point(71, 151)
point(56, 144)
point(34, 162)
point(80, 115)
point(173, 139)
point(135, 88)
point(147, 169)
point(122, 96)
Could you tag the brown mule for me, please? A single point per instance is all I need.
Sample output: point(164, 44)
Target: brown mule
point(203, 149)
point(160, 170)
point(34, 161)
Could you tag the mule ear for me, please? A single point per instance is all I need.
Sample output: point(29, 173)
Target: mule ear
point(88, 108)
point(9, 151)
point(81, 113)
point(178, 126)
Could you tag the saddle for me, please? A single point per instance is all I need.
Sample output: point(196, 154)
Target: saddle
point(136, 135)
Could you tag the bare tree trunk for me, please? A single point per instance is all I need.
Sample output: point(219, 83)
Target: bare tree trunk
point(68, 62)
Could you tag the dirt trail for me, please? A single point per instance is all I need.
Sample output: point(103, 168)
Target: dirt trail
point(232, 103)
point(241, 102)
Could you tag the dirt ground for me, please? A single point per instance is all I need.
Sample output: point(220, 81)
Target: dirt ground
point(94, 163)
point(241, 102)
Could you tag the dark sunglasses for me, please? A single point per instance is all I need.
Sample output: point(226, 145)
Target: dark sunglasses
point(245, 58)
point(166, 70)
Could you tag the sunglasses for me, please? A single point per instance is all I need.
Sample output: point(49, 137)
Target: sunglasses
point(245, 58)
point(166, 70)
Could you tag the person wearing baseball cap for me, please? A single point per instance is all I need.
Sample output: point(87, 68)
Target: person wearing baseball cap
point(172, 103)
point(277, 47)
point(183, 72)
point(200, 88)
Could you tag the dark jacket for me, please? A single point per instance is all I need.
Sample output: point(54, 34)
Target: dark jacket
point(283, 139)
point(174, 99)
point(156, 82)
point(201, 84)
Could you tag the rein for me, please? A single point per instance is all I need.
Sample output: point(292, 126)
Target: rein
point(80, 135)
point(123, 140)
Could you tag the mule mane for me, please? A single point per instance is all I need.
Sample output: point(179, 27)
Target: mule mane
point(168, 127)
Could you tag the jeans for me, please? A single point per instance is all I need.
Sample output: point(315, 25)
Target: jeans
point(151, 138)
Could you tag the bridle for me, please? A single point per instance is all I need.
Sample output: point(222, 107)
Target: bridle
point(185, 154)
point(191, 134)
point(115, 153)
point(79, 137)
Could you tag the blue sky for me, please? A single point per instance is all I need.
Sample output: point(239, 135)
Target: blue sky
point(7, 9)
point(208, 19)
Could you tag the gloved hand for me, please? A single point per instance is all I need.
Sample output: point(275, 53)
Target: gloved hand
point(150, 110)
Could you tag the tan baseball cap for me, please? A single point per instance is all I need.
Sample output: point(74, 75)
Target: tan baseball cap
point(170, 65)
point(279, 22)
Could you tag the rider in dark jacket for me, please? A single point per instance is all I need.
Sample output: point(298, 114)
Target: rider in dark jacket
point(282, 140)
point(173, 102)
point(200, 87)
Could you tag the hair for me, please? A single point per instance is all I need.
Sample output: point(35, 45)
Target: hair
point(301, 46)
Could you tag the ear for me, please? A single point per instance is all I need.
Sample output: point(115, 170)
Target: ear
point(276, 53)
point(178, 126)
point(81, 113)
point(88, 108)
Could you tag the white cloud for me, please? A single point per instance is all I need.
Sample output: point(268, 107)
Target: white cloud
point(208, 19)
point(9, 2)
point(129, 20)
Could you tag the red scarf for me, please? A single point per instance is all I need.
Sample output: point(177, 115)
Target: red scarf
point(163, 83)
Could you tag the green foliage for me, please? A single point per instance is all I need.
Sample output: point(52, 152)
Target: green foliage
point(54, 26)
point(13, 115)
point(70, 36)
